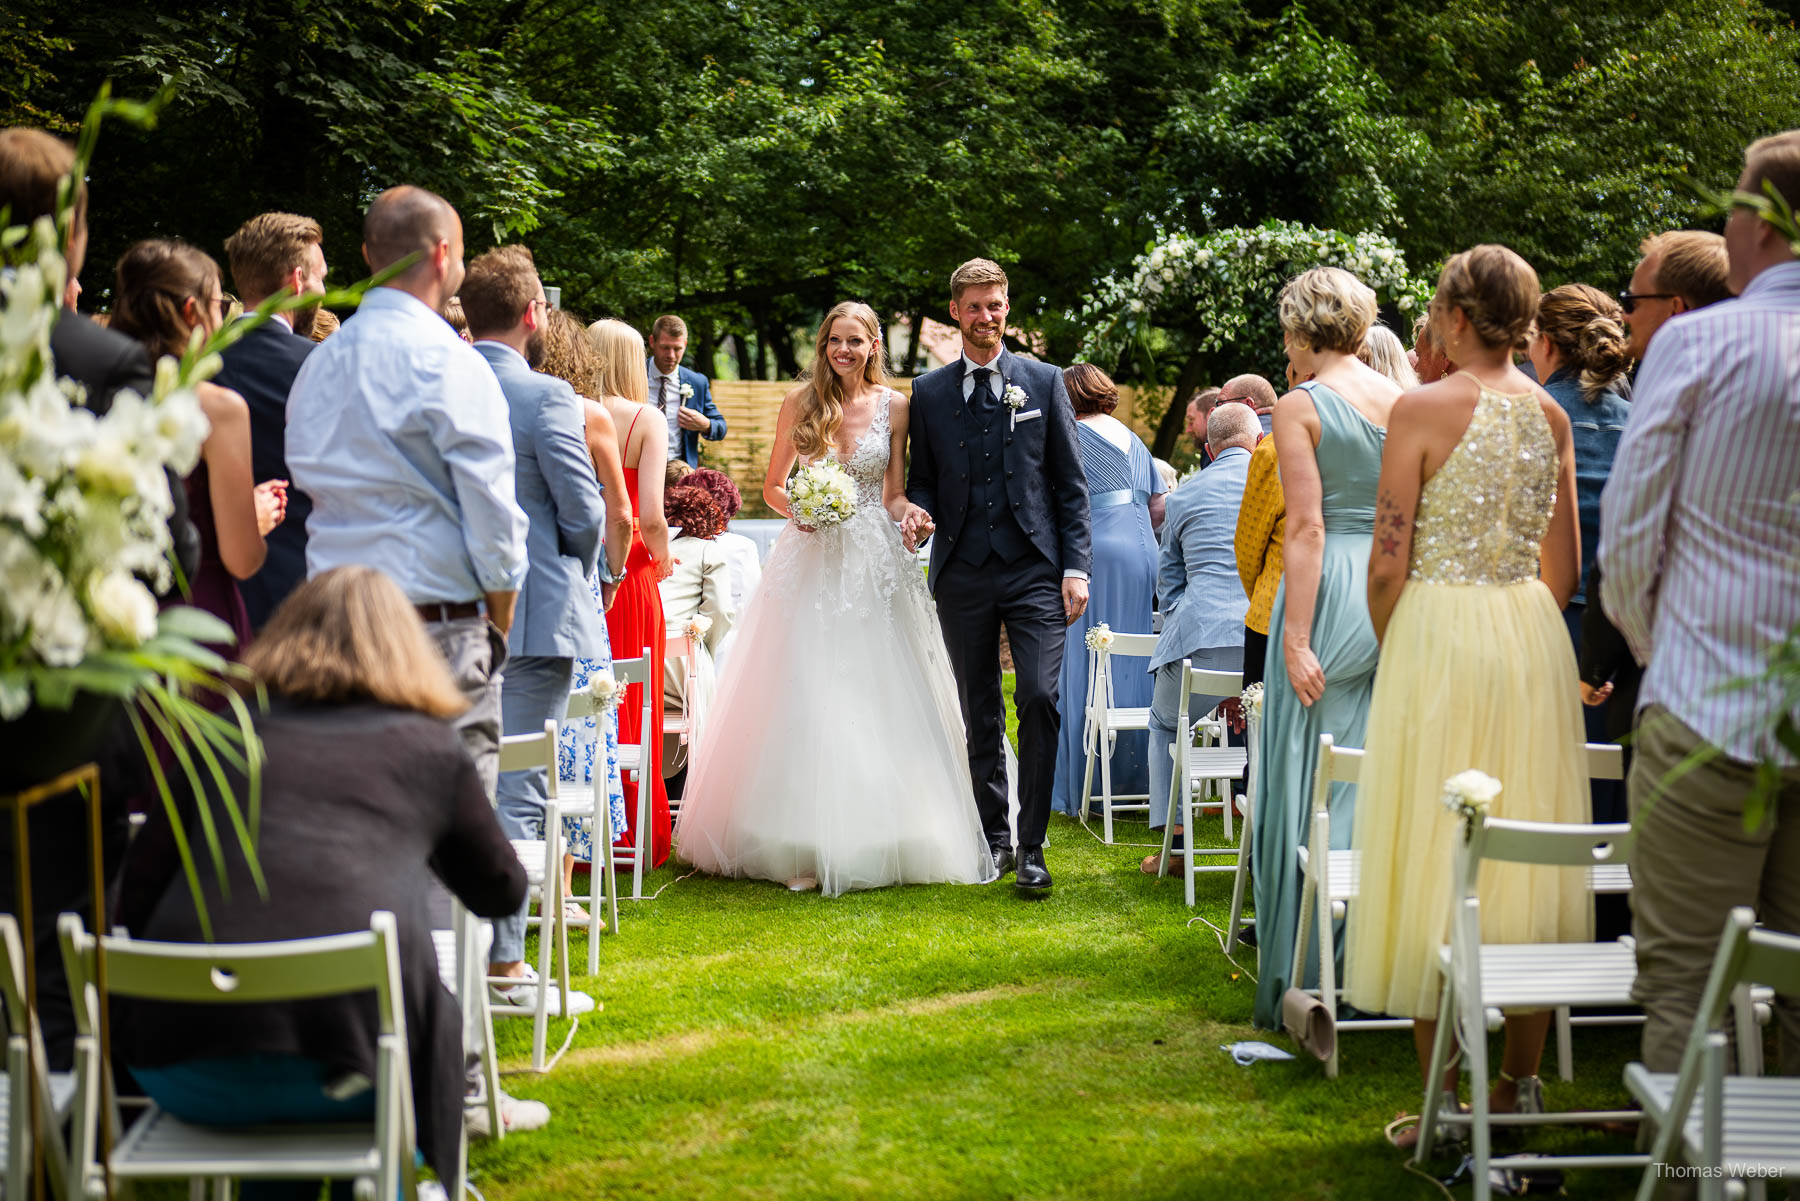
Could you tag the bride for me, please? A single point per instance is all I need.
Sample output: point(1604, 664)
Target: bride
point(834, 755)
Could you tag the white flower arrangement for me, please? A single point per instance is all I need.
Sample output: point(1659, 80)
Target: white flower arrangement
point(1223, 285)
point(1100, 638)
point(606, 690)
point(1252, 699)
point(687, 392)
point(698, 626)
point(821, 494)
point(1470, 794)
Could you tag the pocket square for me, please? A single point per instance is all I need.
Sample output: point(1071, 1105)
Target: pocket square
point(1028, 415)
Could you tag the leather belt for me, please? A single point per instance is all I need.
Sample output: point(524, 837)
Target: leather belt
point(440, 611)
point(1123, 496)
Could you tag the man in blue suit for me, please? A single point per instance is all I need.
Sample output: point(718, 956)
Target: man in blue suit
point(684, 396)
point(555, 618)
point(271, 253)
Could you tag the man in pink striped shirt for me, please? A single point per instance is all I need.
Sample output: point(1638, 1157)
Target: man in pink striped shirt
point(1700, 547)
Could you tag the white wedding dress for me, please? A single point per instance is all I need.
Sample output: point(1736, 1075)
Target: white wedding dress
point(835, 746)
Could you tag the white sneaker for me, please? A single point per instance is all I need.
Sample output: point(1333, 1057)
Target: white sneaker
point(516, 1114)
point(523, 994)
point(431, 1190)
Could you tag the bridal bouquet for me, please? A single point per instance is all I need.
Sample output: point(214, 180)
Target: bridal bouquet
point(821, 494)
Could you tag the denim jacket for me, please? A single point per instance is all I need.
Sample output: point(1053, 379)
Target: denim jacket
point(1597, 427)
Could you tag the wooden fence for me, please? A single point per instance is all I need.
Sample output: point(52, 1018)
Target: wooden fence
point(752, 406)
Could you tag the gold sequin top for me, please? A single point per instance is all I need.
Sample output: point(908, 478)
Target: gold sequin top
point(1481, 518)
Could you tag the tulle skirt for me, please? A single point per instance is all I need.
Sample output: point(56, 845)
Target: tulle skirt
point(834, 747)
point(1471, 676)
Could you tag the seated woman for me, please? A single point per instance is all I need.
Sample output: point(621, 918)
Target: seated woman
point(741, 552)
point(699, 588)
point(367, 795)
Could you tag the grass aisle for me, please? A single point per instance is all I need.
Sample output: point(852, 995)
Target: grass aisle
point(956, 1042)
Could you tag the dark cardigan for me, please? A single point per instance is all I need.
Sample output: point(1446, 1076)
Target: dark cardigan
point(361, 805)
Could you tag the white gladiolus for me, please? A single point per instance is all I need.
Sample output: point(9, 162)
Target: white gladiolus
point(123, 609)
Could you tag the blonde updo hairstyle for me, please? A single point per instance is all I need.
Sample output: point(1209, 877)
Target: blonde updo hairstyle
point(1587, 327)
point(1327, 308)
point(1495, 288)
point(821, 412)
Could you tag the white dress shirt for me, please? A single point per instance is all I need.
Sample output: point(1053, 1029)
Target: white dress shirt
point(668, 388)
point(1699, 523)
point(399, 432)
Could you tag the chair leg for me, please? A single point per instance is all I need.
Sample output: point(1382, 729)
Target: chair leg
point(1565, 1043)
point(1712, 1120)
point(1481, 1135)
point(540, 1019)
point(612, 881)
point(1434, 1076)
point(1238, 880)
point(1297, 972)
point(1087, 766)
point(1328, 965)
point(1107, 741)
point(645, 839)
point(1187, 824)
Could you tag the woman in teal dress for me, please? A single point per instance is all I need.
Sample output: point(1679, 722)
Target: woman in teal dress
point(1321, 666)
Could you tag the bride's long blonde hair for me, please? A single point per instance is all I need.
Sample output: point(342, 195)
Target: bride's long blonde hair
point(822, 404)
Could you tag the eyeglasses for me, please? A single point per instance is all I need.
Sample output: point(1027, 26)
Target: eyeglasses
point(1629, 299)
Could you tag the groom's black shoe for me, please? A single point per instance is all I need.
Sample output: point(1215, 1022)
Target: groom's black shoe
point(1003, 859)
point(1033, 877)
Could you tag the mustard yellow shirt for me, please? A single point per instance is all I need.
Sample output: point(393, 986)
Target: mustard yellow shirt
point(1261, 519)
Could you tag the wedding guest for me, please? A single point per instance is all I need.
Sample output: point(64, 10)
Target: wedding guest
point(698, 588)
point(453, 313)
point(740, 551)
point(1261, 527)
point(1383, 350)
point(1252, 390)
point(1322, 650)
point(682, 395)
point(104, 362)
point(1202, 601)
point(325, 323)
point(1429, 362)
point(164, 292)
point(272, 253)
point(635, 621)
point(555, 619)
point(1124, 497)
point(1477, 552)
point(1199, 408)
point(674, 473)
point(1682, 270)
point(588, 748)
point(1170, 480)
point(1698, 548)
point(363, 785)
point(398, 431)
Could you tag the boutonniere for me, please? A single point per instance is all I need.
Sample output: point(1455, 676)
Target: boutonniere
point(1014, 398)
point(687, 391)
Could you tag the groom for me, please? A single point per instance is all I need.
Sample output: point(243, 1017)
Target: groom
point(994, 462)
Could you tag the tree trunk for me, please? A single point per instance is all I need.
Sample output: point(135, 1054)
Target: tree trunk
point(706, 347)
point(1186, 384)
point(762, 343)
point(912, 343)
point(740, 344)
point(777, 335)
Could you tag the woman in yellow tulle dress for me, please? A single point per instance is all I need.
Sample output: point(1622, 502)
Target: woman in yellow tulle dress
point(1477, 548)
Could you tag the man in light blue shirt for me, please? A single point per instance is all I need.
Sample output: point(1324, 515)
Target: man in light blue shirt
point(556, 619)
point(398, 431)
point(1198, 588)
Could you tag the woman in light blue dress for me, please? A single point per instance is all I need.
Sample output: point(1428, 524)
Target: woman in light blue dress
point(1320, 672)
point(588, 749)
point(1124, 496)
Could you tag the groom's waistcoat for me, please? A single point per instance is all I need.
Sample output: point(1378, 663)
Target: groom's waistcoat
point(989, 527)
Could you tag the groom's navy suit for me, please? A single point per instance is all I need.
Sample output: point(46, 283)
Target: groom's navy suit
point(1010, 503)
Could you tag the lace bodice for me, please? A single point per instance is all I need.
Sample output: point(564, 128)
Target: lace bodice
point(868, 461)
point(1481, 518)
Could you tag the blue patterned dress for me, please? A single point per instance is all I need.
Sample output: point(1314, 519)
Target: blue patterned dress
point(1122, 595)
point(589, 748)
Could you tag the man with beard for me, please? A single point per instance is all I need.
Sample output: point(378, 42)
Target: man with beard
point(556, 620)
point(269, 254)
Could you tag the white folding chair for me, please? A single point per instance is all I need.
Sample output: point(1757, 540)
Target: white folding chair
point(542, 859)
point(160, 1146)
point(1325, 897)
point(1102, 723)
point(1240, 882)
point(462, 953)
point(1746, 1127)
point(1204, 763)
point(634, 764)
point(1480, 982)
point(679, 721)
point(583, 803)
point(34, 1101)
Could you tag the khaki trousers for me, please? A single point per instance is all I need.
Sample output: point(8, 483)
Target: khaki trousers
point(1693, 862)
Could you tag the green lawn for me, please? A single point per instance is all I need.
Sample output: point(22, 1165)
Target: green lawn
point(945, 1042)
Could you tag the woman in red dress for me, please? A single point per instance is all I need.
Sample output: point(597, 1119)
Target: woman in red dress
point(635, 620)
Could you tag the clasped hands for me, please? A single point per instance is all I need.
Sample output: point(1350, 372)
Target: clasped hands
point(915, 526)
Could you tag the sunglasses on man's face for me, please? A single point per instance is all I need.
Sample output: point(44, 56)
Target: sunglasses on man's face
point(1629, 299)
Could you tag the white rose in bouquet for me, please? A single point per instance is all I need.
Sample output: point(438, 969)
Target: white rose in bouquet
point(123, 609)
point(821, 494)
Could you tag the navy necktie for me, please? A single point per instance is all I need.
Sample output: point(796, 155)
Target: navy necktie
point(981, 400)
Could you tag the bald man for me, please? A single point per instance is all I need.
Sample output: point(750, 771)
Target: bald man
point(399, 432)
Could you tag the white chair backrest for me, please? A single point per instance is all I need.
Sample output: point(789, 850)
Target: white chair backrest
point(1605, 761)
point(1337, 765)
point(1549, 843)
point(522, 752)
point(676, 644)
point(633, 671)
point(1132, 646)
point(1203, 681)
point(237, 973)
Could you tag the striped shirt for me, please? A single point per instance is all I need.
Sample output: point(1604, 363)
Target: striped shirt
point(1700, 522)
